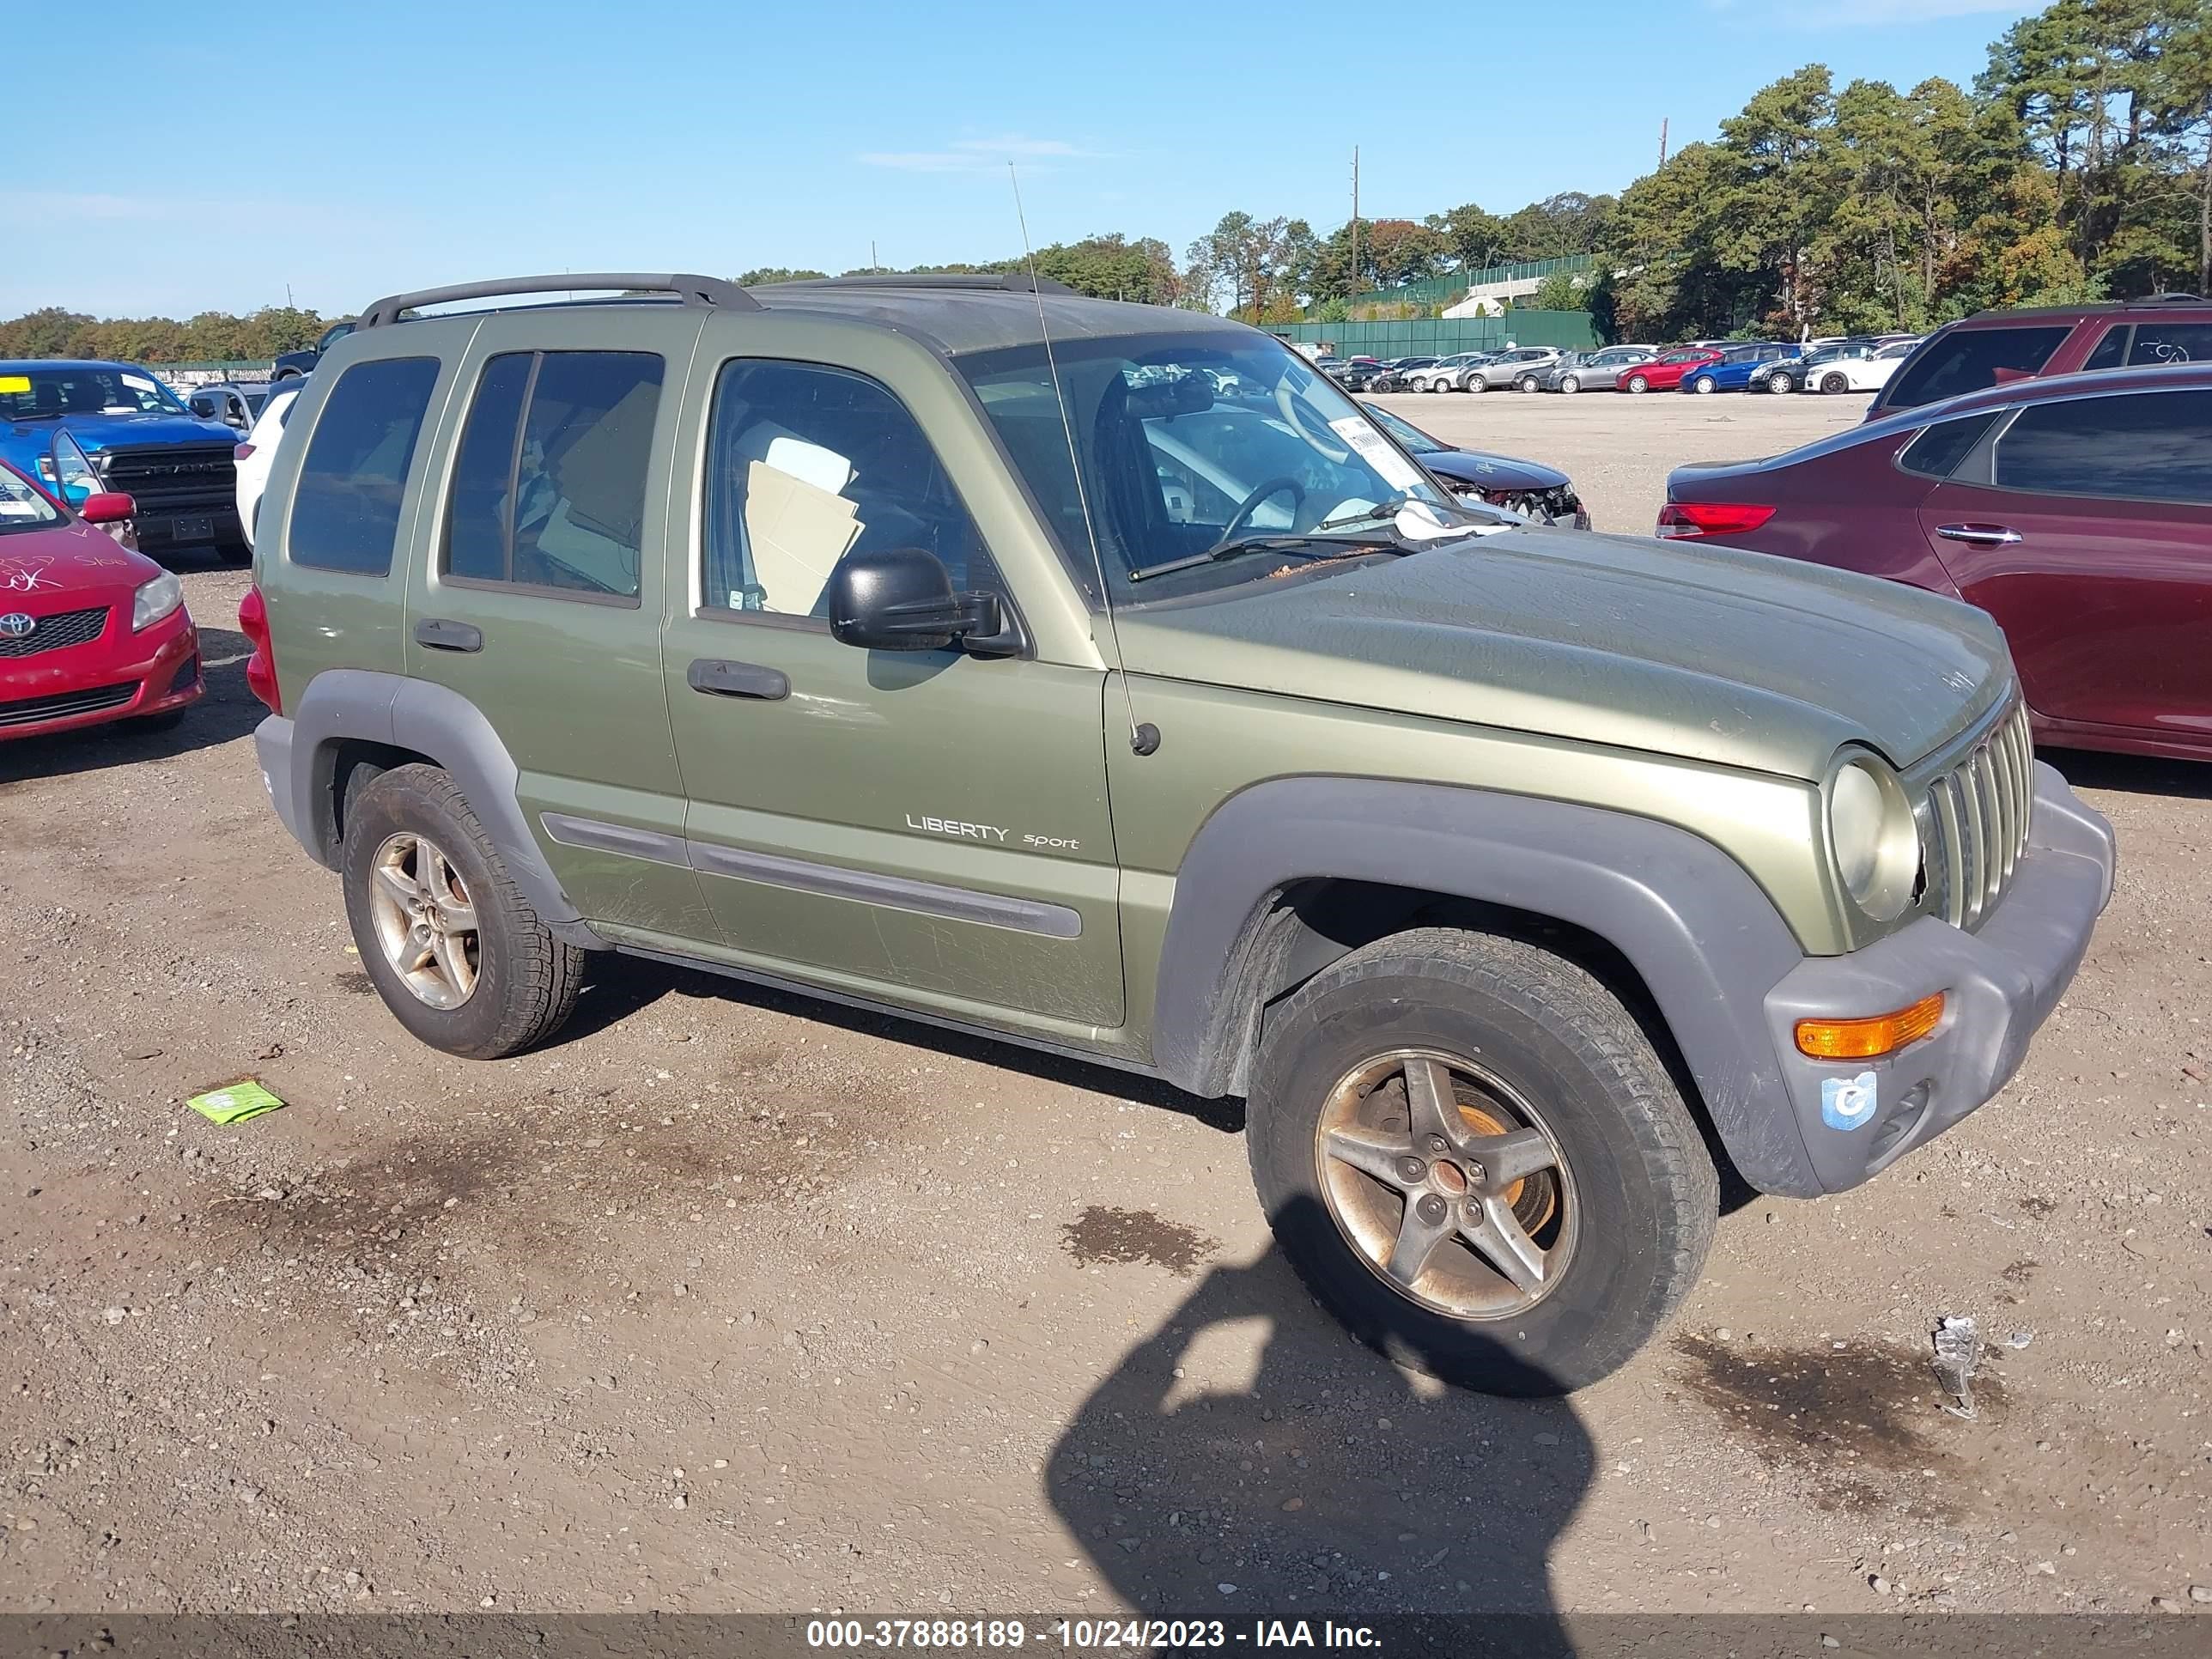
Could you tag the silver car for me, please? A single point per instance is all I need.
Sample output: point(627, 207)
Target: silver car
point(1443, 376)
point(1524, 367)
point(1596, 371)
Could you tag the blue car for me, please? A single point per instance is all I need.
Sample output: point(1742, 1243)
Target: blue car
point(1743, 368)
point(139, 439)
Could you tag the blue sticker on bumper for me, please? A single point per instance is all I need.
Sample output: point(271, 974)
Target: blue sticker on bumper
point(1848, 1102)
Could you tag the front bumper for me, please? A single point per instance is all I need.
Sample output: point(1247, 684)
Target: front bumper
point(152, 673)
point(2000, 983)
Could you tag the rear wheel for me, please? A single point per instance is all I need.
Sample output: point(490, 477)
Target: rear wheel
point(457, 952)
point(1468, 1149)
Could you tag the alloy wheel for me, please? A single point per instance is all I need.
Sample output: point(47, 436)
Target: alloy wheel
point(425, 920)
point(1446, 1182)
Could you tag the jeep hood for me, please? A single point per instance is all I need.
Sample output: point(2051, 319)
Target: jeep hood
point(1711, 653)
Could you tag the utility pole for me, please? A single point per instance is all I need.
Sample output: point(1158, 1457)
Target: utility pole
point(1662, 141)
point(872, 263)
point(1354, 293)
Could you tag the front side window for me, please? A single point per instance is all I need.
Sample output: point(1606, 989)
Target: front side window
point(549, 487)
point(1173, 474)
point(41, 394)
point(2146, 446)
point(2171, 342)
point(806, 463)
point(1970, 359)
point(22, 506)
point(353, 482)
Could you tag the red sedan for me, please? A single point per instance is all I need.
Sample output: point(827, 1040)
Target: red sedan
point(89, 631)
point(1666, 372)
point(2077, 511)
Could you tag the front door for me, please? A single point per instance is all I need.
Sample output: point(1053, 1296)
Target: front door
point(537, 595)
point(928, 826)
point(2089, 538)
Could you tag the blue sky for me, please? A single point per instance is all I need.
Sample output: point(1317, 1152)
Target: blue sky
point(414, 144)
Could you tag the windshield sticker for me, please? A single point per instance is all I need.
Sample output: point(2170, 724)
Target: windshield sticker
point(1375, 450)
point(15, 383)
point(139, 383)
point(10, 508)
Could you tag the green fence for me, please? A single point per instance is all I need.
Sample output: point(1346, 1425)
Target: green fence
point(1444, 290)
point(1570, 330)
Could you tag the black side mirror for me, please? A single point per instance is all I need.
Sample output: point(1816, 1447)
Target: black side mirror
point(902, 599)
point(203, 406)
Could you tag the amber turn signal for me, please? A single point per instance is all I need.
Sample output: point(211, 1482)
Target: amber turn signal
point(1877, 1033)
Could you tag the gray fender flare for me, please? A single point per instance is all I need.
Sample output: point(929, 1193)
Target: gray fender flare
point(1705, 939)
point(392, 709)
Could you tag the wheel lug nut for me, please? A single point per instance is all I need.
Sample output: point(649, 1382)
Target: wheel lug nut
point(1475, 1172)
point(1411, 1169)
point(1430, 1209)
point(1438, 1144)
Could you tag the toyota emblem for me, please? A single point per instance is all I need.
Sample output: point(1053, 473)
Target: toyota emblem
point(17, 626)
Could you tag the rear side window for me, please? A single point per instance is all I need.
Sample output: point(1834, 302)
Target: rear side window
point(1970, 359)
point(2154, 446)
point(1936, 452)
point(549, 488)
point(353, 483)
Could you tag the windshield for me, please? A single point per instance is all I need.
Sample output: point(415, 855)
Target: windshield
point(1174, 470)
point(22, 506)
point(1415, 441)
point(37, 394)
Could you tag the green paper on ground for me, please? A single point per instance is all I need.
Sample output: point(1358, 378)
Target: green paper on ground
point(235, 1103)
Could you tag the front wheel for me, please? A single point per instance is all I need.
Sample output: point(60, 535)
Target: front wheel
point(450, 943)
point(1638, 383)
point(1704, 386)
point(1571, 386)
point(1529, 383)
point(1835, 383)
point(1476, 383)
point(1468, 1149)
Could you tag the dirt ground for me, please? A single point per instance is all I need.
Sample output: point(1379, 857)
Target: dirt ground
point(727, 1302)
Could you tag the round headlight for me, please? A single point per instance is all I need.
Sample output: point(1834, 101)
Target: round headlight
point(1876, 844)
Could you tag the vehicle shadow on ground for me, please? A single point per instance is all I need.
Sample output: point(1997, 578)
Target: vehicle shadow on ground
point(226, 710)
point(2136, 775)
point(616, 987)
point(1319, 1484)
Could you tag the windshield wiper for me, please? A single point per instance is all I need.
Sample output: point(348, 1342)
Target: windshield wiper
point(1263, 543)
point(38, 415)
point(1388, 509)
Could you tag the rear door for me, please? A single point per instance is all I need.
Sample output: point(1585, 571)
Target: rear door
point(535, 590)
point(2084, 526)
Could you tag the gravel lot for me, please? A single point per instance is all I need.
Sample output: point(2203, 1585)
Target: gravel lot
point(729, 1302)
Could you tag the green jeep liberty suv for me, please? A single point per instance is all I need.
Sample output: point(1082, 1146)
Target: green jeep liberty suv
point(1098, 677)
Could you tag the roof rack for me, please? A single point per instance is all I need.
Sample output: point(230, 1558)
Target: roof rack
point(689, 290)
point(2168, 299)
point(1000, 282)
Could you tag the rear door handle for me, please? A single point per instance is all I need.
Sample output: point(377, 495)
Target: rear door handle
point(717, 678)
point(440, 635)
point(1982, 535)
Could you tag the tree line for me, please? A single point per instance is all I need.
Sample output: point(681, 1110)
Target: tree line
point(2078, 166)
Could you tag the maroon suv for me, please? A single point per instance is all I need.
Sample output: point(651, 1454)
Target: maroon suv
point(1993, 347)
point(2077, 511)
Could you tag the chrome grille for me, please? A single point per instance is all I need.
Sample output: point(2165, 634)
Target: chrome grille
point(1973, 823)
point(52, 633)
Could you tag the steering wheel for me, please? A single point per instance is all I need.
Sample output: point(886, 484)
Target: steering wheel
point(1252, 502)
point(1294, 412)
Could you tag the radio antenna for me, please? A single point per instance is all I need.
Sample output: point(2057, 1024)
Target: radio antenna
point(1143, 739)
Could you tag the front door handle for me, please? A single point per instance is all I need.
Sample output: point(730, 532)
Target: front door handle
point(440, 635)
point(717, 678)
point(1981, 535)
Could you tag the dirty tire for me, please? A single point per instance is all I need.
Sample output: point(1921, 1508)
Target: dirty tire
point(1646, 1189)
point(527, 980)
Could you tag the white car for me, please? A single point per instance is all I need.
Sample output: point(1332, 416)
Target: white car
point(258, 450)
point(1852, 369)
